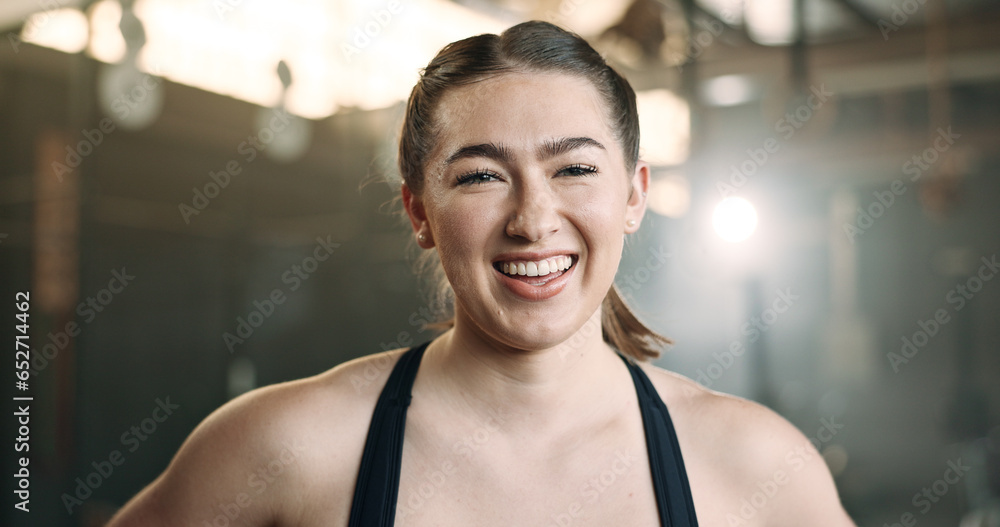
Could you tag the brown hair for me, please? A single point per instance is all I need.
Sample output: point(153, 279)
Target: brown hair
point(528, 47)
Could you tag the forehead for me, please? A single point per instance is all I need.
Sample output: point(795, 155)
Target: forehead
point(520, 110)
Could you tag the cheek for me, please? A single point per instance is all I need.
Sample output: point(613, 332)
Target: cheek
point(603, 213)
point(460, 231)
point(602, 223)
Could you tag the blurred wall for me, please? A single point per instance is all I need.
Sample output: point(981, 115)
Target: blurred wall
point(300, 251)
point(308, 250)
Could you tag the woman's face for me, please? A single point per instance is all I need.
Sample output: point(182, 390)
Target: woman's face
point(527, 200)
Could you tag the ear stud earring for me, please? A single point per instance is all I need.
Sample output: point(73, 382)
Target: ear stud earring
point(421, 237)
point(631, 223)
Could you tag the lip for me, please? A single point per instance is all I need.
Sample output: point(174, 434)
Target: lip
point(530, 292)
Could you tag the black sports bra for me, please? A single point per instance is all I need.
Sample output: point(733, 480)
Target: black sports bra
point(377, 488)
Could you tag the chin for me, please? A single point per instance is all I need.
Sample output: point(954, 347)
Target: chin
point(561, 321)
point(545, 334)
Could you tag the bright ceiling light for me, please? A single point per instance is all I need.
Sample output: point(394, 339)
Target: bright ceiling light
point(62, 29)
point(365, 54)
point(734, 219)
point(770, 22)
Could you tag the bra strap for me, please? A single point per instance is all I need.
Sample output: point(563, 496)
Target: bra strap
point(670, 482)
point(377, 488)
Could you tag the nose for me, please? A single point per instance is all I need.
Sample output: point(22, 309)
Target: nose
point(535, 214)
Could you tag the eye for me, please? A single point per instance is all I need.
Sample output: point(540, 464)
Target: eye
point(478, 177)
point(578, 170)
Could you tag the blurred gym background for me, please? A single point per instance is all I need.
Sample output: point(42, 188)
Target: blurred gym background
point(193, 193)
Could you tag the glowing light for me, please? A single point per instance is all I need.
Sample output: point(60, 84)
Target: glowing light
point(62, 29)
point(106, 42)
point(770, 22)
point(728, 90)
point(665, 121)
point(734, 219)
point(729, 11)
point(363, 54)
point(669, 195)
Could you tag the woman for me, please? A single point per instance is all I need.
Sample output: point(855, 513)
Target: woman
point(519, 158)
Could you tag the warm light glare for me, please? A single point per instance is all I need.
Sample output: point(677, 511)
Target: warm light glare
point(106, 42)
point(669, 195)
point(728, 90)
point(770, 22)
point(729, 11)
point(734, 219)
point(665, 121)
point(364, 54)
point(62, 29)
point(215, 52)
point(581, 16)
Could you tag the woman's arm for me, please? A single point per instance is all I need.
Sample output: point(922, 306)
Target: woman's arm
point(278, 455)
point(786, 481)
point(747, 464)
point(217, 470)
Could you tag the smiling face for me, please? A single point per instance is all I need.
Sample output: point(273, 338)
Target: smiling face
point(527, 200)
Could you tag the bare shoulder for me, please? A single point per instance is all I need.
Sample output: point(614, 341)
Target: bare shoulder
point(266, 455)
point(771, 473)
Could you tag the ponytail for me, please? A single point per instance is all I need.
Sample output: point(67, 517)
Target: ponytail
point(624, 332)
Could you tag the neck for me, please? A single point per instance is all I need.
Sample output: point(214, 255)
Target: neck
point(534, 387)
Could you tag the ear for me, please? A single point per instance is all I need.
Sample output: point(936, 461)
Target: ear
point(418, 218)
point(635, 208)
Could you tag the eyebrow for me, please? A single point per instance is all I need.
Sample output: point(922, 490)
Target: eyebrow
point(488, 150)
point(501, 153)
point(554, 147)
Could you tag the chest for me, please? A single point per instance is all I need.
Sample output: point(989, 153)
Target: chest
point(483, 476)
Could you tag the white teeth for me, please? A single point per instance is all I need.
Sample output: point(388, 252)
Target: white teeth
point(539, 268)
